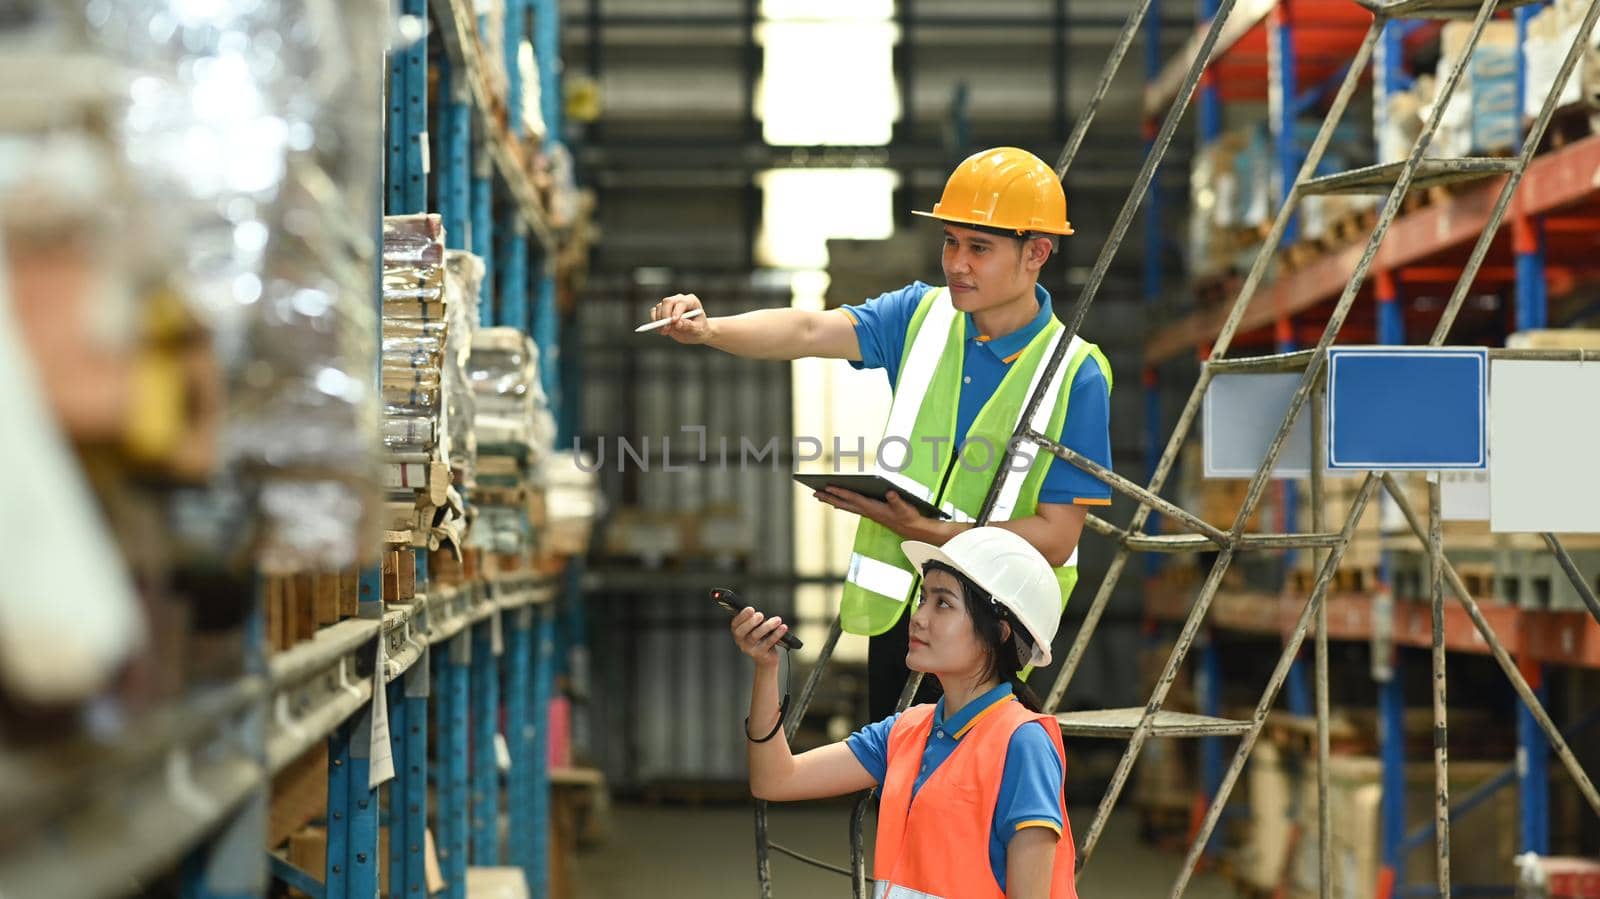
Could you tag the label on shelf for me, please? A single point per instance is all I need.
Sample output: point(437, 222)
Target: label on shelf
point(381, 769)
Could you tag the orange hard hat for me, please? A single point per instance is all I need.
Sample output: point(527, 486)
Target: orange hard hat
point(1004, 188)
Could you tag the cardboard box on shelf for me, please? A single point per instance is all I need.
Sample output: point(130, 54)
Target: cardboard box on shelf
point(1482, 846)
point(308, 851)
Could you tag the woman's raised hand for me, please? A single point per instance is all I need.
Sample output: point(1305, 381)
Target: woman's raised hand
point(758, 635)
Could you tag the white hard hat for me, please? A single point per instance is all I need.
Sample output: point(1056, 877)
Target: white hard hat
point(1010, 570)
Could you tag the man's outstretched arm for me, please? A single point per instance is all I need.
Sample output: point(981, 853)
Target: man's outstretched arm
point(763, 334)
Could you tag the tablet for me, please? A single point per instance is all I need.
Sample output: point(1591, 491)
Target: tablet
point(873, 486)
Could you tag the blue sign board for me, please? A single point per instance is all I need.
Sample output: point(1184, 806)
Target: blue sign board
point(1406, 407)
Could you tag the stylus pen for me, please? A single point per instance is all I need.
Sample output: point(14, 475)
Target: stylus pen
point(662, 323)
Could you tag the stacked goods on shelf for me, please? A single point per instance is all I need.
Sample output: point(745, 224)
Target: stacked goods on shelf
point(1397, 123)
point(270, 196)
point(462, 283)
point(1228, 200)
point(1550, 32)
point(1232, 197)
point(1331, 221)
point(1278, 849)
point(1482, 846)
point(463, 280)
point(1496, 110)
point(193, 347)
point(572, 503)
point(515, 434)
point(1483, 115)
point(74, 297)
point(414, 333)
point(424, 299)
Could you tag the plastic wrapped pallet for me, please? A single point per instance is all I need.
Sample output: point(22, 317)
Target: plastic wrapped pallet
point(1550, 33)
point(1496, 108)
point(1212, 187)
point(1482, 115)
point(1253, 173)
point(1397, 127)
point(504, 372)
point(252, 121)
point(415, 332)
point(463, 280)
point(504, 369)
point(572, 502)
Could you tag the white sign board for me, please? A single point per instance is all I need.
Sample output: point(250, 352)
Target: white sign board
point(1544, 428)
point(1242, 414)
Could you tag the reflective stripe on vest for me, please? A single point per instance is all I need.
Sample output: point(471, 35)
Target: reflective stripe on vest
point(879, 577)
point(1027, 450)
point(921, 429)
point(939, 844)
point(881, 890)
point(917, 370)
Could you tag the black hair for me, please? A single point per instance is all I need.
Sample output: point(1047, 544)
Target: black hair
point(1006, 658)
point(1021, 237)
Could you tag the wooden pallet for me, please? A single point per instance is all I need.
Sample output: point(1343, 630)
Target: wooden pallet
point(1302, 253)
point(1346, 579)
point(299, 604)
point(399, 565)
point(1353, 227)
point(446, 568)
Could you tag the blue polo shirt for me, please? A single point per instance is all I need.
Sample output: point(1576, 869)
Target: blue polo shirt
point(1030, 788)
point(881, 325)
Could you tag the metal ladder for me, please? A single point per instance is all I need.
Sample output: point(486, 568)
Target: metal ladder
point(1139, 724)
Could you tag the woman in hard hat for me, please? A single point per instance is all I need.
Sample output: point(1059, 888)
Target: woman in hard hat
point(985, 767)
point(962, 360)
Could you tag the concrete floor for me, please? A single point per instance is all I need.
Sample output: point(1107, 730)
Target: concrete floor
point(671, 852)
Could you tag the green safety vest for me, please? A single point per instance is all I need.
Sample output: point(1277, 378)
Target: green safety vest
point(917, 452)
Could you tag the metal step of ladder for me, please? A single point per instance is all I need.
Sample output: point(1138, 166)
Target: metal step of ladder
point(1380, 179)
point(1436, 9)
point(1189, 543)
point(1120, 724)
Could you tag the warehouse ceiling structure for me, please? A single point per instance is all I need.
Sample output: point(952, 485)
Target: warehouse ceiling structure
point(679, 147)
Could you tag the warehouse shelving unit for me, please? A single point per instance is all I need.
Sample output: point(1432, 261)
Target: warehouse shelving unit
point(189, 784)
point(1264, 53)
point(1427, 243)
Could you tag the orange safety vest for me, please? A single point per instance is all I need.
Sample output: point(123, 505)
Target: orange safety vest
point(937, 847)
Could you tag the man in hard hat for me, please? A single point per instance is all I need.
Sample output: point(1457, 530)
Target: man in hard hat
point(962, 360)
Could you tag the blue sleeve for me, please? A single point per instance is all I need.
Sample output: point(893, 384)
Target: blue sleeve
point(1087, 430)
point(871, 747)
point(1031, 787)
point(881, 326)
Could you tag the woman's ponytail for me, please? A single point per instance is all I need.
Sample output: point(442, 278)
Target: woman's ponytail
point(1024, 693)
